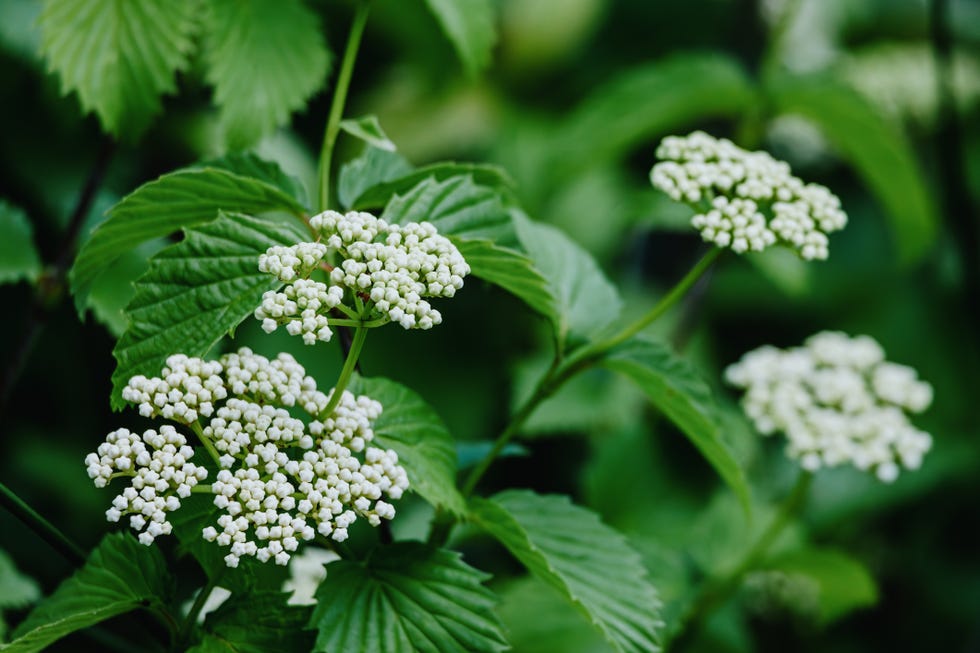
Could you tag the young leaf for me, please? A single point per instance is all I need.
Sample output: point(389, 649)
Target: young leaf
point(417, 434)
point(583, 300)
point(591, 564)
point(511, 270)
point(404, 598)
point(469, 26)
point(120, 575)
point(256, 623)
point(18, 256)
point(372, 168)
point(879, 152)
point(676, 389)
point(265, 59)
point(181, 199)
point(120, 57)
point(380, 193)
point(368, 129)
point(194, 292)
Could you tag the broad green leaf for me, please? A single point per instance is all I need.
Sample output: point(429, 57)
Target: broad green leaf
point(469, 26)
point(584, 301)
point(247, 164)
point(650, 101)
point(372, 168)
point(265, 59)
point(539, 619)
point(177, 200)
point(112, 290)
point(256, 623)
point(380, 193)
point(119, 56)
point(18, 255)
point(880, 153)
point(457, 206)
point(120, 575)
point(512, 271)
point(404, 598)
point(368, 129)
point(415, 431)
point(195, 292)
point(676, 389)
point(845, 584)
point(16, 589)
point(588, 562)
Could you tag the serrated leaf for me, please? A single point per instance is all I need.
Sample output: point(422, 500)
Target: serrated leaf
point(265, 59)
point(649, 101)
point(584, 302)
point(256, 623)
point(512, 271)
point(404, 598)
point(194, 292)
point(120, 575)
point(878, 150)
point(16, 589)
point(119, 56)
point(418, 435)
point(368, 129)
point(112, 290)
point(588, 562)
point(845, 584)
point(675, 388)
point(539, 619)
point(469, 26)
point(18, 255)
point(177, 200)
point(372, 168)
point(247, 164)
point(457, 206)
point(380, 193)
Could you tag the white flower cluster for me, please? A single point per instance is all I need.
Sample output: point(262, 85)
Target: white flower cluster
point(746, 200)
point(390, 268)
point(280, 481)
point(838, 401)
point(161, 476)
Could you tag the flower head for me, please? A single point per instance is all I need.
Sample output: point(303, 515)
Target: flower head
point(838, 402)
point(746, 200)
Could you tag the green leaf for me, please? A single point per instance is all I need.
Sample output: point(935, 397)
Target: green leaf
point(265, 59)
point(845, 584)
point(256, 623)
point(649, 101)
point(368, 129)
point(512, 271)
point(181, 199)
point(415, 431)
point(120, 575)
point(16, 589)
point(584, 302)
point(247, 164)
point(372, 168)
point(588, 562)
point(469, 26)
point(119, 56)
point(676, 389)
point(539, 619)
point(404, 598)
point(457, 206)
point(878, 150)
point(194, 292)
point(113, 289)
point(380, 193)
point(18, 256)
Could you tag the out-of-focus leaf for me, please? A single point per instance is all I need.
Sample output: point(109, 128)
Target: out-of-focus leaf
point(120, 57)
point(16, 589)
point(265, 59)
point(512, 271)
point(374, 167)
point(415, 431)
point(368, 129)
point(784, 269)
point(256, 623)
point(588, 562)
point(879, 152)
point(405, 598)
point(120, 575)
point(676, 389)
point(195, 292)
point(470, 453)
point(381, 192)
point(112, 290)
point(469, 26)
point(539, 619)
point(18, 255)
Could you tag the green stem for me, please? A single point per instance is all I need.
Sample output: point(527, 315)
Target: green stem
point(716, 592)
point(381, 321)
point(44, 529)
point(339, 99)
point(206, 441)
point(202, 488)
point(355, 350)
point(187, 627)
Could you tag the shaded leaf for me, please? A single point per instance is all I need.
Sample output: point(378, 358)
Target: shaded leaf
point(380, 193)
point(256, 623)
point(18, 255)
point(368, 129)
point(247, 164)
point(539, 619)
point(404, 598)
point(469, 26)
point(512, 271)
point(372, 168)
point(588, 562)
point(16, 589)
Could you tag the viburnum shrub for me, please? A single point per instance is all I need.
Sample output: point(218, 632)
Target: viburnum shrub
point(250, 464)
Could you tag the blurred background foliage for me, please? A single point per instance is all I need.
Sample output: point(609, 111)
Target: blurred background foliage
point(572, 105)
